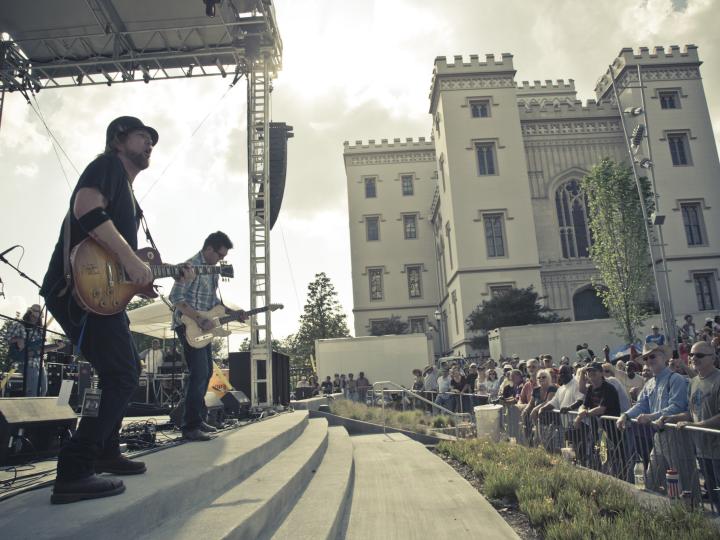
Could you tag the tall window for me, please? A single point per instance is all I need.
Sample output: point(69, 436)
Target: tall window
point(417, 325)
point(499, 290)
point(407, 184)
point(705, 291)
point(370, 188)
point(414, 281)
point(454, 303)
point(679, 149)
point(447, 235)
point(692, 219)
point(486, 158)
point(410, 226)
point(442, 172)
point(372, 228)
point(669, 99)
point(572, 212)
point(480, 108)
point(375, 276)
point(494, 236)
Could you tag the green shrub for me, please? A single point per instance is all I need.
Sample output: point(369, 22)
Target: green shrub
point(567, 503)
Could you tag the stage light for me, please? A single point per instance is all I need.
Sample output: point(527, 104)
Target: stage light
point(80, 79)
point(190, 70)
point(637, 136)
point(107, 76)
point(146, 73)
point(210, 7)
point(644, 163)
point(633, 111)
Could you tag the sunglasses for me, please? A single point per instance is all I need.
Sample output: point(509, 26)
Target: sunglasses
point(698, 355)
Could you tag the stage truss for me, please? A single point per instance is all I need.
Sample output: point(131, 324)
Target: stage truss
point(47, 44)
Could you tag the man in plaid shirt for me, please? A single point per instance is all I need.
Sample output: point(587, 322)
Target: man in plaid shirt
point(25, 340)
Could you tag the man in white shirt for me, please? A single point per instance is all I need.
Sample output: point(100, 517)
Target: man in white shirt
point(152, 358)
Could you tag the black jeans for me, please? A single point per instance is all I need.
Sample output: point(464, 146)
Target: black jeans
point(200, 366)
point(108, 346)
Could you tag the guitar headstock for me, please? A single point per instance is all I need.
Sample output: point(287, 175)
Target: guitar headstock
point(226, 270)
point(274, 307)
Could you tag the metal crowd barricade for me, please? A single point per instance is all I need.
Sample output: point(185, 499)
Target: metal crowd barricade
point(408, 398)
point(639, 454)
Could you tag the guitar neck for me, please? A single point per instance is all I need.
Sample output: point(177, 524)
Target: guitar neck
point(229, 318)
point(170, 270)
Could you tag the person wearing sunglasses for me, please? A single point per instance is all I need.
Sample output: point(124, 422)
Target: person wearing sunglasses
point(666, 394)
point(704, 412)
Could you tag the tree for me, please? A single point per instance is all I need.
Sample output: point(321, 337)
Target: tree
point(392, 326)
point(620, 249)
point(142, 341)
point(322, 317)
point(515, 307)
point(4, 346)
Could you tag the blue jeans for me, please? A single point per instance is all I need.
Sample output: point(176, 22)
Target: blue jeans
point(109, 347)
point(711, 472)
point(200, 366)
point(446, 400)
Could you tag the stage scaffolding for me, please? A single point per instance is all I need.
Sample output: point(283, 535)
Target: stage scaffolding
point(47, 44)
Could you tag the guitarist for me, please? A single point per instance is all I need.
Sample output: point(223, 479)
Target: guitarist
point(25, 340)
point(189, 298)
point(102, 206)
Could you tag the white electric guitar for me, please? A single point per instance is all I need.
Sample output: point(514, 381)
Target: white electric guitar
point(198, 338)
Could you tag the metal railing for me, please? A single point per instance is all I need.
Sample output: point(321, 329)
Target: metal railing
point(677, 462)
point(409, 399)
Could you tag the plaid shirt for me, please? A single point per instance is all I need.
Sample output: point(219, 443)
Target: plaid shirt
point(200, 293)
point(32, 337)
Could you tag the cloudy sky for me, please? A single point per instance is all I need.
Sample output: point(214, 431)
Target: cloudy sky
point(353, 69)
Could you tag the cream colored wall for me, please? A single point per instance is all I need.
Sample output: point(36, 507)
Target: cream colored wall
point(388, 161)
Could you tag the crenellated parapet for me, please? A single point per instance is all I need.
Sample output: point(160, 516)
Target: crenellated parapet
point(569, 118)
point(397, 144)
point(660, 63)
point(559, 87)
point(474, 74)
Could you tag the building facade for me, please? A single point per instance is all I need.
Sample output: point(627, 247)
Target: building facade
point(495, 199)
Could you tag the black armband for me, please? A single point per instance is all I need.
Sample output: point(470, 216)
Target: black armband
point(94, 218)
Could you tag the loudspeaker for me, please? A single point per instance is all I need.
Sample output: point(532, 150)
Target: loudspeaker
point(55, 377)
point(33, 427)
point(215, 411)
point(280, 132)
point(84, 377)
point(236, 404)
point(240, 376)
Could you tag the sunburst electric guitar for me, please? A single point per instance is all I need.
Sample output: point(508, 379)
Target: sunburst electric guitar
point(198, 338)
point(101, 286)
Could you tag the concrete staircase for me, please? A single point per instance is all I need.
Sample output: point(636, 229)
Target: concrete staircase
point(288, 477)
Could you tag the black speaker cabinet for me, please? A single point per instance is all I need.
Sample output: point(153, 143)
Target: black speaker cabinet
point(55, 372)
point(215, 411)
point(84, 378)
point(236, 404)
point(33, 427)
point(240, 376)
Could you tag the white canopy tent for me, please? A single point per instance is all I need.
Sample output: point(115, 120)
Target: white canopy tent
point(156, 320)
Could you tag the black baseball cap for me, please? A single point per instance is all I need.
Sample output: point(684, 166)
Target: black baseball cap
point(125, 124)
point(596, 366)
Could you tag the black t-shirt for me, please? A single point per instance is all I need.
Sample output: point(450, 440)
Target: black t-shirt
point(605, 396)
point(327, 387)
point(471, 378)
point(537, 394)
point(458, 385)
point(108, 175)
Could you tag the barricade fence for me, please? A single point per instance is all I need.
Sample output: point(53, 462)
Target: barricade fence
point(681, 463)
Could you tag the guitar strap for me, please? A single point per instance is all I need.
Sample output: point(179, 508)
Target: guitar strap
point(67, 272)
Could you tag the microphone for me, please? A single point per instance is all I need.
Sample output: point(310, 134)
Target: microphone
point(8, 250)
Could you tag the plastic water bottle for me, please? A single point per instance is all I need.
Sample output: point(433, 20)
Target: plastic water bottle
point(639, 475)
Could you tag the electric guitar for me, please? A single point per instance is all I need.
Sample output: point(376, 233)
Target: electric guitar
point(198, 338)
point(101, 286)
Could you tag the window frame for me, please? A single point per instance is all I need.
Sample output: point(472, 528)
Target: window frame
point(669, 92)
point(414, 219)
point(684, 137)
point(368, 220)
point(567, 232)
point(408, 269)
point(422, 320)
point(492, 146)
point(484, 102)
point(403, 191)
point(701, 229)
point(503, 235)
point(367, 181)
point(379, 271)
point(712, 289)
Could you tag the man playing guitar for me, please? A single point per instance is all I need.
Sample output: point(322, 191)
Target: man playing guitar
point(189, 298)
point(103, 207)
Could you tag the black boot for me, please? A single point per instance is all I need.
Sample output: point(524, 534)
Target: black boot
point(92, 487)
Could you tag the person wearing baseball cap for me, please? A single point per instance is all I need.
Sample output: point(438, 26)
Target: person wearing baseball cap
point(103, 208)
point(655, 336)
point(666, 394)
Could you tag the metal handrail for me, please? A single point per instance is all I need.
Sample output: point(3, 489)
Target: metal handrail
point(456, 416)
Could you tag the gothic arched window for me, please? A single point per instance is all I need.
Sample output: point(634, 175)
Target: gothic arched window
point(572, 212)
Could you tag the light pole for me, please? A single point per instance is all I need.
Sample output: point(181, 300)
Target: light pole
point(633, 145)
point(438, 319)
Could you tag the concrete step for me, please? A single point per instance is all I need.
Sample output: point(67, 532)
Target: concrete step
point(319, 512)
point(177, 481)
point(259, 503)
point(402, 491)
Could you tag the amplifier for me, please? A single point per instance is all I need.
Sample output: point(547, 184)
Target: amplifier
point(32, 428)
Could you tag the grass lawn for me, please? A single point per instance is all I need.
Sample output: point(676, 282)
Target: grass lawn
point(416, 421)
point(566, 503)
